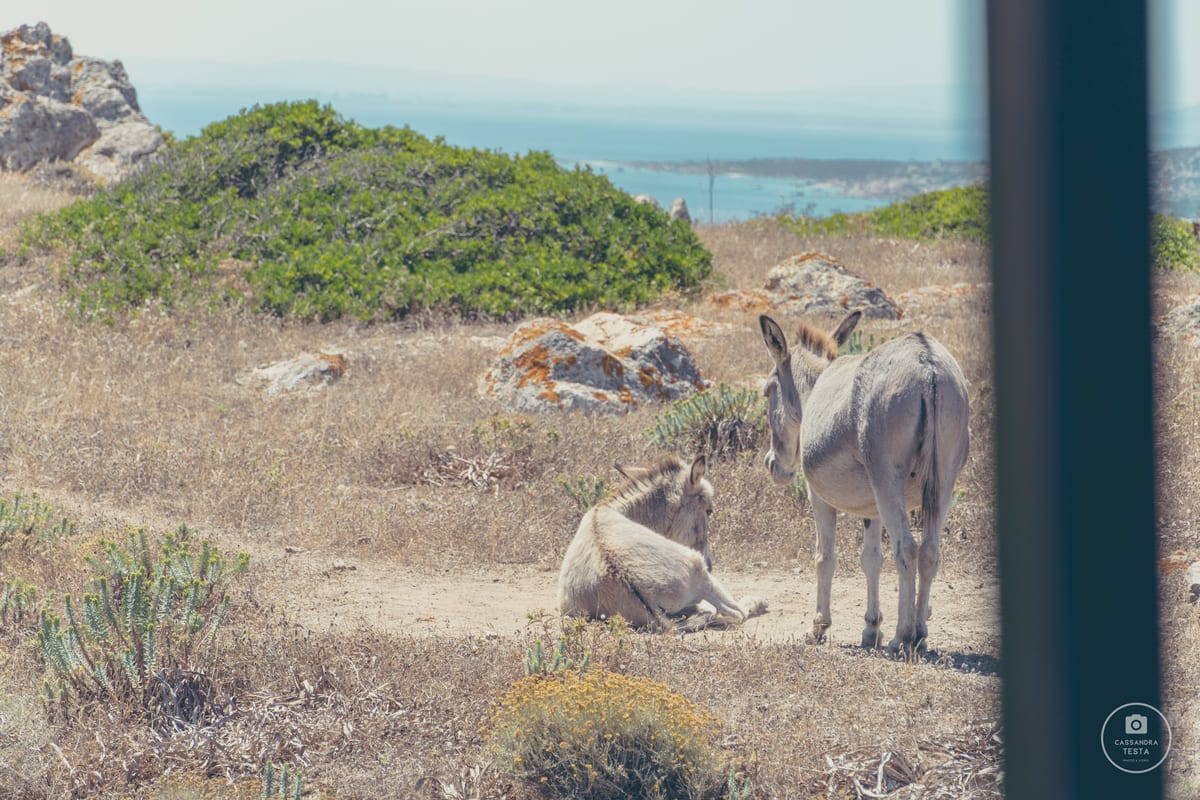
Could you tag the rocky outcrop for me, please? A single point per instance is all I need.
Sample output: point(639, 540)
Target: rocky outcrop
point(55, 105)
point(679, 210)
point(960, 299)
point(809, 284)
point(607, 363)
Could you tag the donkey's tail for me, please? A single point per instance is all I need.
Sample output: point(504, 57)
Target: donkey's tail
point(931, 476)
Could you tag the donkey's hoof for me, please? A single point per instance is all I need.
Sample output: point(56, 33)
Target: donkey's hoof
point(906, 648)
point(754, 606)
point(871, 638)
point(818, 630)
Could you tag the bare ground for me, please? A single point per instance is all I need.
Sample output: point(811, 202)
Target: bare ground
point(406, 593)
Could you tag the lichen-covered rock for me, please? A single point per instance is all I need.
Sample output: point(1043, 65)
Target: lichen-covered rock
point(1183, 323)
point(306, 372)
point(956, 299)
point(55, 105)
point(32, 131)
point(607, 363)
point(814, 283)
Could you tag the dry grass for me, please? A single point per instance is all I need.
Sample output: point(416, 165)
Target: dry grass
point(158, 420)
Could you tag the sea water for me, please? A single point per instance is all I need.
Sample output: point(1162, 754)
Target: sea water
point(611, 142)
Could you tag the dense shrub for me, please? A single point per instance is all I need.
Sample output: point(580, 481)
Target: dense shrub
point(290, 209)
point(948, 213)
point(1173, 244)
point(600, 734)
point(963, 213)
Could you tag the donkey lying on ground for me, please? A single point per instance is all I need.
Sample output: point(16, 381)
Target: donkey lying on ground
point(644, 554)
point(875, 435)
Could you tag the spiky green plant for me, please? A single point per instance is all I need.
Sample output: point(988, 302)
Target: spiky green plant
point(857, 344)
point(17, 599)
point(719, 423)
point(31, 522)
point(144, 632)
point(282, 781)
point(586, 492)
point(540, 662)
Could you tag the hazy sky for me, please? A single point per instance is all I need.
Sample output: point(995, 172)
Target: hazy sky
point(755, 46)
point(770, 44)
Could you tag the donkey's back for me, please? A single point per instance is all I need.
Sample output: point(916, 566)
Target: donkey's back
point(904, 404)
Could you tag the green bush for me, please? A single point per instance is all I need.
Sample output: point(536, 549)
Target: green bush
point(948, 213)
point(290, 209)
point(143, 636)
point(600, 734)
point(1173, 245)
point(719, 423)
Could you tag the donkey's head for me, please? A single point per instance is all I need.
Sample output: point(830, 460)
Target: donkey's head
point(790, 383)
point(672, 499)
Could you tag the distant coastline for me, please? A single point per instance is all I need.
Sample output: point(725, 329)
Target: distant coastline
point(876, 179)
point(1174, 185)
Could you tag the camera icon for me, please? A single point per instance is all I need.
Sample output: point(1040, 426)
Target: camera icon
point(1135, 724)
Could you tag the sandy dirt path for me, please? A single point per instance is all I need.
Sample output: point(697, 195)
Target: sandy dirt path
point(497, 602)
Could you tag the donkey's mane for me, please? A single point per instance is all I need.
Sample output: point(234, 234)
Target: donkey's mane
point(666, 469)
point(817, 341)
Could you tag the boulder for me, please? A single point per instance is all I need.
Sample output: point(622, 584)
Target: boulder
point(33, 131)
point(959, 299)
point(679, 210)
point(306, 372)
point(55, 105)
point(647, 200)
point(1182, 322)
point(814, 283)
point(607, 363)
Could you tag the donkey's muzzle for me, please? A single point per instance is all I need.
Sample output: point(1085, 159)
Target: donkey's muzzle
point(778, 473)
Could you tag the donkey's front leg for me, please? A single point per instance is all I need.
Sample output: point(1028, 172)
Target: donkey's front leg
point(872, 564)
point(826, 518)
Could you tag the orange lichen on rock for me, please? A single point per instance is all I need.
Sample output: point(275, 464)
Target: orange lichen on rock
point(536, 330)
point(649, 376)
point(534, 365)
point(749, 300)
point(813, 256)
point(611, 366)
point(336, 363)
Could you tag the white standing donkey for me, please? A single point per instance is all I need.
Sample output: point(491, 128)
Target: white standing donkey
point(875, 436)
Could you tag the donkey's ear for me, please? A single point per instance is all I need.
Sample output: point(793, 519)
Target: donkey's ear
point(842, 334)
point(699, 467)
point(774, 338)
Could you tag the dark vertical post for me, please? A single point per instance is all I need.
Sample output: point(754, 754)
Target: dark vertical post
point(1074, 430)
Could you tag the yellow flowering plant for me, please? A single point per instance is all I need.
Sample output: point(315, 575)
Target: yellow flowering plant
point(601, 734)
